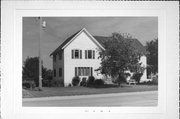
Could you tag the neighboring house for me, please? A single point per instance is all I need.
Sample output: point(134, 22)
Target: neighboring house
point(78, 56)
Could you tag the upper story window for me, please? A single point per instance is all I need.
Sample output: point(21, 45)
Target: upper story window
point(54, 57)
point(76, 54)
point(89, 54)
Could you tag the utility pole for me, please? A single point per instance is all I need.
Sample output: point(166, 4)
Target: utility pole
point(40, 65)
point(42, 25)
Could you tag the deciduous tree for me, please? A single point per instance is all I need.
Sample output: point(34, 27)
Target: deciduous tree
point(152, 56)
point(31, 70)
point(119, 56)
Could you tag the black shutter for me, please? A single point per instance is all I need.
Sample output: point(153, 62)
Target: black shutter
point(85, 54)
point(80, 54)
point(75, 71)
point(72, 54)
point(91, 71)
point(93, 54)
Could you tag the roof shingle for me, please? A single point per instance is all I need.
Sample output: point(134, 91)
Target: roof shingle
point(134, 42)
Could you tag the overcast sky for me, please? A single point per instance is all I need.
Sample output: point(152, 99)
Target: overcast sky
point(59, 28)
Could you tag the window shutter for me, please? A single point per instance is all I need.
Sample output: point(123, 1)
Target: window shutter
point(75, 71)
point(93, 54)
point(80, 54)
point(72, 54)
point(88, 71)
point(85, 54)
point(91, 71)
point(79, 71)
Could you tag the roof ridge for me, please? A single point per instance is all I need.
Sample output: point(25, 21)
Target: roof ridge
point(66, 41)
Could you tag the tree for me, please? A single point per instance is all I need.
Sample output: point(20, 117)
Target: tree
point(31, 70)
point(152, 56)
point(119, 56)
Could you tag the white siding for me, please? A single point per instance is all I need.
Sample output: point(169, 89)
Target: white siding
point(82, 42)
point(143, 60)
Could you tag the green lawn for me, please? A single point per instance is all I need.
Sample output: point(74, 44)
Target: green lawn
point(69, 91)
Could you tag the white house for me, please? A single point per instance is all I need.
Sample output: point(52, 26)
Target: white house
point(78, 56)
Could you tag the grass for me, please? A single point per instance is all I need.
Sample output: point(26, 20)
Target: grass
point(70, 91)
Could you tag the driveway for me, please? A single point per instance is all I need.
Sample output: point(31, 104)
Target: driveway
point(148, 98)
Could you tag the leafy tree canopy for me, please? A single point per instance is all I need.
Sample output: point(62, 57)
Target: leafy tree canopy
point(120, 55)
point(31, 70)
point(152, 56)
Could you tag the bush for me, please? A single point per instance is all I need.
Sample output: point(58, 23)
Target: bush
point(98, 82)
point(28, 84)
point(75, 80)
point(69, 85)
point(120, 79)
point(90, 80)
point(137, 76)
point(83, 82)
point(56, 83)
point(155, 80)
point(45, 83)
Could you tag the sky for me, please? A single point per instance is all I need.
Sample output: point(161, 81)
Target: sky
point(59, 28)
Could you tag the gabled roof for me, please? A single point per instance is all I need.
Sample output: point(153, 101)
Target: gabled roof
point(99, 40)
point(64, 43)
point(69, 39)
point(135, 43)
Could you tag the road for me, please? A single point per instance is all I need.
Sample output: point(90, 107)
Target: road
point(148, 98)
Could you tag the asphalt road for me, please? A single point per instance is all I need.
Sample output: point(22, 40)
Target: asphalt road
point(148, 98)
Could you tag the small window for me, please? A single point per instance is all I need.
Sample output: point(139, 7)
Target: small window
point(54, 57)
point(54, 72)
point(76, 54)
point(60, 72)
point(89, 54)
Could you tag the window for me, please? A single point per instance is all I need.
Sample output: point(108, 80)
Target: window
point(89, 54)
point(60, 72)
point(54, 72)
point(76, 54)
point(54, 57)
point(83, 71)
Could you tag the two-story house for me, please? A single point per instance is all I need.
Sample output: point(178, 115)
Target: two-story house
point(78, 56)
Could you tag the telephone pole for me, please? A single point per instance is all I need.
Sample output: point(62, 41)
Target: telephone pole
point(42, 25)
point(40, 65)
